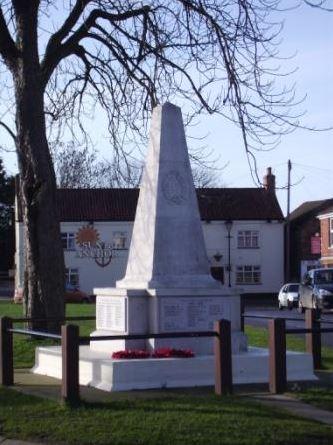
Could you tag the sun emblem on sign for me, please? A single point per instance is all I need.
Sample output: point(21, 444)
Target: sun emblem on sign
point(87, 234)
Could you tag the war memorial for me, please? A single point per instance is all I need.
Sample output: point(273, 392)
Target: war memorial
point(167, 288)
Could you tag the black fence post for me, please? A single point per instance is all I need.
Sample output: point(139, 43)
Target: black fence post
point(242, 310)
point(313, 339)
point(70, 389)
point(277, 356)
point(223, 359)
point(6, 352)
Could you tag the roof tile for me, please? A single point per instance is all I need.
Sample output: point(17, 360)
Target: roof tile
point(214, 204)
point(120, 204)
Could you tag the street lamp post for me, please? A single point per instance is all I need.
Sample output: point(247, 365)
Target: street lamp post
point(228, 225)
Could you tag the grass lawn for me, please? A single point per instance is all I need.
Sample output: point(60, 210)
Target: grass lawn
point(191, 417)
point(24, 347)
point(156, 417)
point(259, 337)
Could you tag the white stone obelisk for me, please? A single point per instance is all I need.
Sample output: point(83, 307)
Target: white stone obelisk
point(167, 286)
point(167, 247)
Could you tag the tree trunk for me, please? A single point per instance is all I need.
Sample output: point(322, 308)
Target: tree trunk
point(44, 262)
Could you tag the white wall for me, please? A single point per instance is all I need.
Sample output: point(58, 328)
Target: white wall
point(269, 255)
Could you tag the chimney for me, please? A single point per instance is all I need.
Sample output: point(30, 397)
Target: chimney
point(269, 181)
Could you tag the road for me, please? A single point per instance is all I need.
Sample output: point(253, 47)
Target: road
point(327, 339)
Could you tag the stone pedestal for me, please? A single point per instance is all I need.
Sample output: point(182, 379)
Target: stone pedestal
point(97, 369)
point(120, 311)
point(123, 311)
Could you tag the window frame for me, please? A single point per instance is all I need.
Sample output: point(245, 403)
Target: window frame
point(245, 237)
point(330, 232)
point(72, 272)
point(123, 236)
point(68, 238)
point(253, 271)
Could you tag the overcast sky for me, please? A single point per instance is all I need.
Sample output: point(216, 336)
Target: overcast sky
point(309, 34)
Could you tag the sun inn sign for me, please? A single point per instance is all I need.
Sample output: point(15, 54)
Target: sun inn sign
point(101, 252)
point(90, 246)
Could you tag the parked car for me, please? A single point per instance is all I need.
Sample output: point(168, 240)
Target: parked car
point(288, 296)
point(316, 290)
point(72, 295)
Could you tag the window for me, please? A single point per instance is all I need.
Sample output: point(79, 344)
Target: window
point(248, 275)
point(323, 276)
point(248, 239)
point(293, 288)
point(119, 240)
point(331, 231)
point(68, 240)
point(72, 276)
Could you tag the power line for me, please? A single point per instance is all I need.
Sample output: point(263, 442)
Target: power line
point(312, 167)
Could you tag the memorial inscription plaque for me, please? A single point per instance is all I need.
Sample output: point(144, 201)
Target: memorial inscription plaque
point(111, 312)
point(191, 314)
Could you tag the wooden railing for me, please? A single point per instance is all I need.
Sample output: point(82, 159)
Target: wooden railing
point(70, 342)
point(277, 332)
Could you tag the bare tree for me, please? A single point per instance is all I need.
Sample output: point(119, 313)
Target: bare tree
point(75, 167)
point(123, 57)
point(326, 5)
point(206, 177)
point(79, 167)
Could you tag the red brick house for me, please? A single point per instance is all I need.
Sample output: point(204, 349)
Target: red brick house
point(305, 236)
point(326, 229)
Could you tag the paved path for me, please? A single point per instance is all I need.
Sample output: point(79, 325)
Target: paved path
point(295, 407)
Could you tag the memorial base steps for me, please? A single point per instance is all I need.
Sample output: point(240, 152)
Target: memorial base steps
point(99, 370)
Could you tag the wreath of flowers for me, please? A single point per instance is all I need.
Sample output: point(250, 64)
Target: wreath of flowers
point(130, 353)
point(158, 353)
point(172, 352)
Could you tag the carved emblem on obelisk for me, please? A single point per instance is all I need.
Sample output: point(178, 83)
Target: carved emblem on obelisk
point(175, 188)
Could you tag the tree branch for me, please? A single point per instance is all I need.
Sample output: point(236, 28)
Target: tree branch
point(8, 49)
point(57, 51)
point(11, 133)
point(69, 23)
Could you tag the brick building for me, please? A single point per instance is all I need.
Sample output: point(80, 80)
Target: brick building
point(305, 236)
point(326, 230)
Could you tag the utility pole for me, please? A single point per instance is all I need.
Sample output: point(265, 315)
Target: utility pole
point(287, 264)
